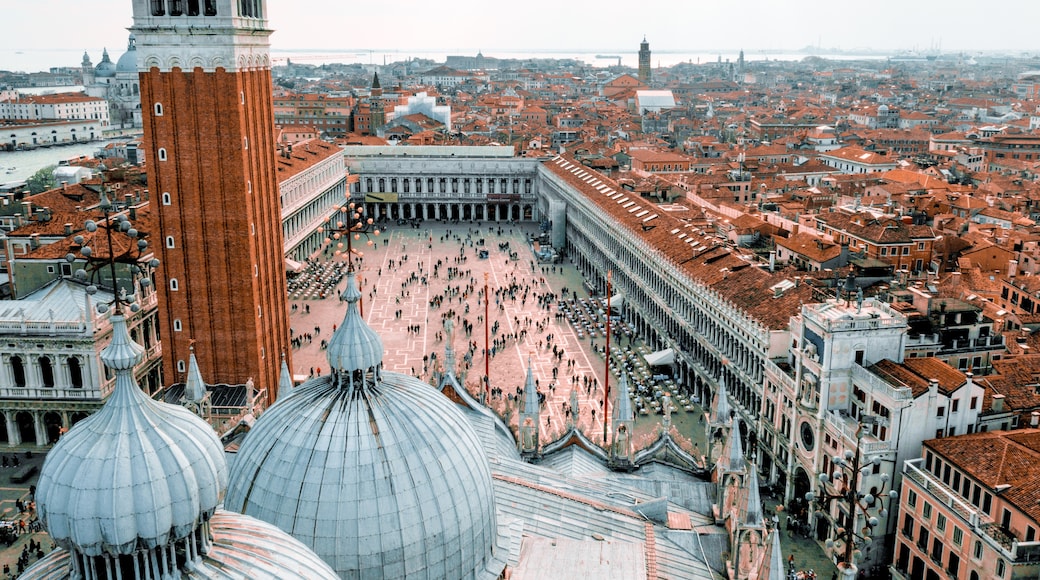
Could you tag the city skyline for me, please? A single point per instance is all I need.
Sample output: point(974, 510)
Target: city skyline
point(465, 26)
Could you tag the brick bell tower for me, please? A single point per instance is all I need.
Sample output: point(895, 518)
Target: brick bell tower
point(205, 73)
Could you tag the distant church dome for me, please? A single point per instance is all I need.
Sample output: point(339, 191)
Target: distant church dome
point(128, 62)
point(134, 489)
point(378, 472)
point(106, 68)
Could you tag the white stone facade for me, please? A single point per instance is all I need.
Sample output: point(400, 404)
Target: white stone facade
point(227, 34)
point(50, 372)
point(308, 198)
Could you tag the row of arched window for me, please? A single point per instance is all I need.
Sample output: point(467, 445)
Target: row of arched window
point(46, 365)
point(184, 7)
point(442, 185)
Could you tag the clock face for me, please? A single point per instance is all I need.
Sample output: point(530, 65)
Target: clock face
point(808, 437)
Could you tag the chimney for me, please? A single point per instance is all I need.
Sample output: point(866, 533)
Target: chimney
point(64, 185)
point(68, 229)
point(998, 404)
point(1034, 419)
point(1012, 268)
point(772, 260)
point(27, 206)
point(34, 241)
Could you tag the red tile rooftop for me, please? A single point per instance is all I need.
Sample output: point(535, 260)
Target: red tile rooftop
point(746, 287)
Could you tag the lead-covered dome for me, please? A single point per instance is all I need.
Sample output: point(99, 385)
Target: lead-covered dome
point(136, 473)
point(106, 68)
point(377, 472)
point(132, 492)
point(128, 62)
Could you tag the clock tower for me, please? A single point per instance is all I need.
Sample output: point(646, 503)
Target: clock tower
point(205, 73)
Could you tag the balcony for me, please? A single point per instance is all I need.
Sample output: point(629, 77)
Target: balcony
point(940, 493)
point(995, 342)
point(845, 426)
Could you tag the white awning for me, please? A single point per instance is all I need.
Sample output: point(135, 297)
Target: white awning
point(292, 265)
point(661, 358)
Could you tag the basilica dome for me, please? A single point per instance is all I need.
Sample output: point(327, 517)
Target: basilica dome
point(135, 488)
point(128, 62)
point(378, 472)
point(106, 68)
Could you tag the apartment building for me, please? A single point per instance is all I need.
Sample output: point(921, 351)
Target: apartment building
point(970, 508)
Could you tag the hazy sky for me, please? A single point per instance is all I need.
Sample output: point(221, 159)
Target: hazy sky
point(545, 24)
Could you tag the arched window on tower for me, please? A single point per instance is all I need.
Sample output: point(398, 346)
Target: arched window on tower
point(193, 7)
point(157, 8)
point(249, 8)
point(176, 7)
point(211, 7)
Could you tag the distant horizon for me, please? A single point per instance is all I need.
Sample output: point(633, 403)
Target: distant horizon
point(466, 26)
point(42, 60)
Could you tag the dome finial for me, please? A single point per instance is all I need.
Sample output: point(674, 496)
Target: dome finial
point(354, 347)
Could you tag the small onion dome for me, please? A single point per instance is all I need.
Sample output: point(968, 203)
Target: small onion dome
point(243, 547)
point(354, 346)
point(137, 475)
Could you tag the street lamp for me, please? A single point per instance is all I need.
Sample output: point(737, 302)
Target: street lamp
point(350, 224)
point(134, 255)
point(842, 485)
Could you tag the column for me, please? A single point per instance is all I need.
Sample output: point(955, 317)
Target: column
point(41, 431)
point(14, 437)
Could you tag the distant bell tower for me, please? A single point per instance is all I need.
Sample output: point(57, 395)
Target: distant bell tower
point(644, 61)
point(205, 74)
point(377, 107)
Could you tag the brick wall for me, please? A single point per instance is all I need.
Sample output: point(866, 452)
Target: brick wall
point(224, 217)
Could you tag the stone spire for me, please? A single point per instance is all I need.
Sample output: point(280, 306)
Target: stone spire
point(449, 348)
point(285, 384)
point(735, 456)
point(194, 386)
point(529, 417)
point(621, 450)
point(531, 406)
point(753, 516)
point(774, 560)
point(722, 412)
point(573, 419)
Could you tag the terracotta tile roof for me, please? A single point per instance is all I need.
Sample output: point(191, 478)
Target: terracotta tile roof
point(810, 246)
point(999, 458)
point(880, 231)
point(747, 287)
point(1018, 379)
point(304, 155)
point(916, 374)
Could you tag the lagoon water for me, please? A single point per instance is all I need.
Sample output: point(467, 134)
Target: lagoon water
point(25, 163)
